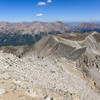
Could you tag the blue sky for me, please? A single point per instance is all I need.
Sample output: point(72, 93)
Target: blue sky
point(41, 10)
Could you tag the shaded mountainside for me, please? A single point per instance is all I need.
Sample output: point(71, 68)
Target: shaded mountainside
point(16, 39)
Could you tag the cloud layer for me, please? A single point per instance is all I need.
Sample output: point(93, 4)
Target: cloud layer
point(49, 1)
point(41, 4)
point(39, 15)
point(44, 3)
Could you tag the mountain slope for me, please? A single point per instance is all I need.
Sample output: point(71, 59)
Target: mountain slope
point(64, 68)
point(87, 27)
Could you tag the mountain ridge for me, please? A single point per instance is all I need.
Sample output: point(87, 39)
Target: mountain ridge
point(46, 28)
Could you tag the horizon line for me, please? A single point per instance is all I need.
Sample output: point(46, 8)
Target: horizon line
point(50, 21)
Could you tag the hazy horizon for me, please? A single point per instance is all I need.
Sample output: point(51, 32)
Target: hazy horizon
point(65, 22)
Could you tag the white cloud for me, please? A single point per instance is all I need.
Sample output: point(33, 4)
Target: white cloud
point(39, 15)
point(49, 1)
point(41, 4)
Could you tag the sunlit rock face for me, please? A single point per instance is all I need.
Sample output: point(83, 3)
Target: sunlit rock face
point(54, 68)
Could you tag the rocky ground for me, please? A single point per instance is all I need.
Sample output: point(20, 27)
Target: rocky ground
point(53, 69)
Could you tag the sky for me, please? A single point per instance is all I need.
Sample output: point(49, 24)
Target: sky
point(50, 10)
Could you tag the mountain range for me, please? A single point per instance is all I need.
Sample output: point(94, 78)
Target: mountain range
point(46, 28)
point(27, 33)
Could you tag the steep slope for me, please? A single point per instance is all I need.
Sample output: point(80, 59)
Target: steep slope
point(91, 43)
point(87, 27)
point(90, 61)
point(18, 39)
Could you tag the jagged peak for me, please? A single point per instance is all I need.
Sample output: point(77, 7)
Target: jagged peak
point(91, 36)
point(94, 33)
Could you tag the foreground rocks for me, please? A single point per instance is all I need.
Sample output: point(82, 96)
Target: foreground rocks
point(52, 69)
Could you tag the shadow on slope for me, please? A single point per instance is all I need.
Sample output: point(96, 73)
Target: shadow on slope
point(18, 39)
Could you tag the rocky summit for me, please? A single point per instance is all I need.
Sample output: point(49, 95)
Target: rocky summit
point(57, 67)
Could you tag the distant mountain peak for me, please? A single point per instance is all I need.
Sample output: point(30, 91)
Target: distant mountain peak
point(37, 27)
